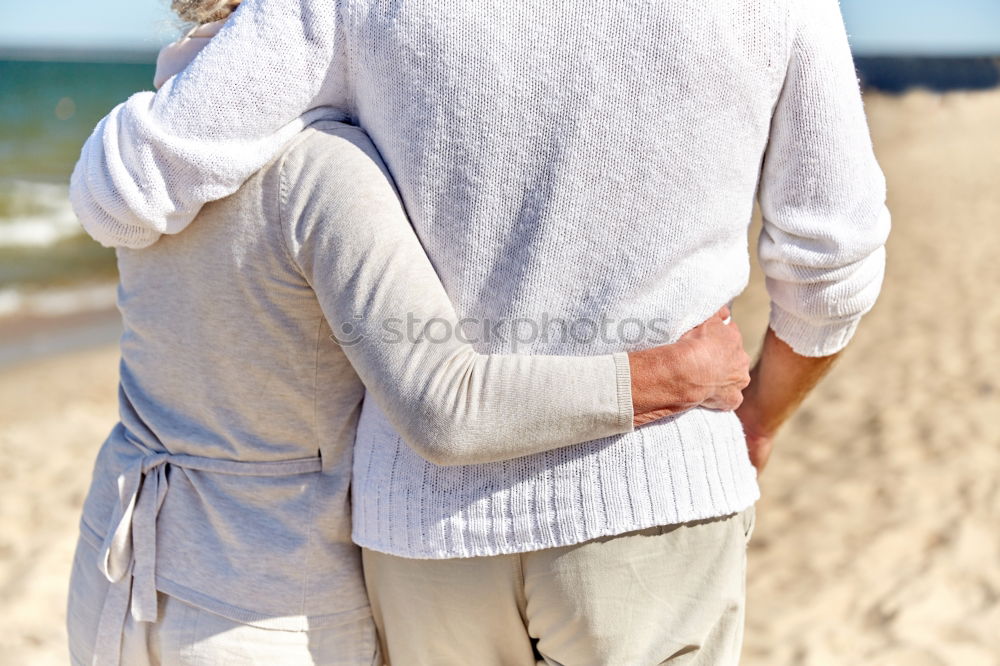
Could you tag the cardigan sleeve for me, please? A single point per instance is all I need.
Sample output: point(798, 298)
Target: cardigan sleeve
point(822, 193)
point(351, 239)
point(155, 160)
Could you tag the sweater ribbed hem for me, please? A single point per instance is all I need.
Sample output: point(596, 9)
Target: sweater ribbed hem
point(808, 338)
point(690, 467)
point(111, 233)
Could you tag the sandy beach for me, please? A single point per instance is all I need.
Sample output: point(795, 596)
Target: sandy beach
point(877, 539)
point(54, 414)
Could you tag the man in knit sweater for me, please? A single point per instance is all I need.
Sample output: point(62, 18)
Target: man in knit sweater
point(589, 164)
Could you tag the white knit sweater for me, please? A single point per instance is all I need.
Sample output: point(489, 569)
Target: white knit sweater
point(560, 160)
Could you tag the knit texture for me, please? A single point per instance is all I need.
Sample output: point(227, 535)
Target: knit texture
point(561, 161)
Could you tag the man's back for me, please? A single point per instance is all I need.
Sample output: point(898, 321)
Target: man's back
point(576, 161)
point(583, 179)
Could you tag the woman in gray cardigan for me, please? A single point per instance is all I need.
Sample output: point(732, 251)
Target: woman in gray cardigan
point(218, 519)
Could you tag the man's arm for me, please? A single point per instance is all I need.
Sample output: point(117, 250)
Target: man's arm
point(155, 160)
point(779, 382)
point(825, 223)
point(822, 193)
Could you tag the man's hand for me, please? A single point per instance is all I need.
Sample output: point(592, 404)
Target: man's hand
point(707, 367)
point(780, 380)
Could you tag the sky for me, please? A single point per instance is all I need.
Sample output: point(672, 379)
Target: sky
point(892, 27)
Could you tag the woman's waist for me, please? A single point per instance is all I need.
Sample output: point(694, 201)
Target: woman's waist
point(226, 528)
point(206, 469)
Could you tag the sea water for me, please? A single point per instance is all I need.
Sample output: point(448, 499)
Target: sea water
point(47, 110)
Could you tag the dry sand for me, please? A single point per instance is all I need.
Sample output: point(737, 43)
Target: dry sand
point(879, 540)
point(878, 535)
point(54, 414)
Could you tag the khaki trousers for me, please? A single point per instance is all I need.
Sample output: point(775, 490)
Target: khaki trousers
point(666, 595)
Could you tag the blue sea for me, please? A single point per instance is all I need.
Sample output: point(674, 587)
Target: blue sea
point(49, 105)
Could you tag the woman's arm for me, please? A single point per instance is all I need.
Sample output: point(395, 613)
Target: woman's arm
point(350, 237)
point(152, 163)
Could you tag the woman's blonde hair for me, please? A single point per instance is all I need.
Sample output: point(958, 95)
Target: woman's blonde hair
point(204, 11)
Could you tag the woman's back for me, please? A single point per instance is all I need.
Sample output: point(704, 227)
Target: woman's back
point(227, 356)
point(226, 351)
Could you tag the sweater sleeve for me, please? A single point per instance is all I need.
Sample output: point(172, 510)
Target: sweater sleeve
point(822, 193)
point(151, 164)
point(351, 238)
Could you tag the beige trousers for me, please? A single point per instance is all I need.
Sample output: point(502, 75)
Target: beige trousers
point(666, 595)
